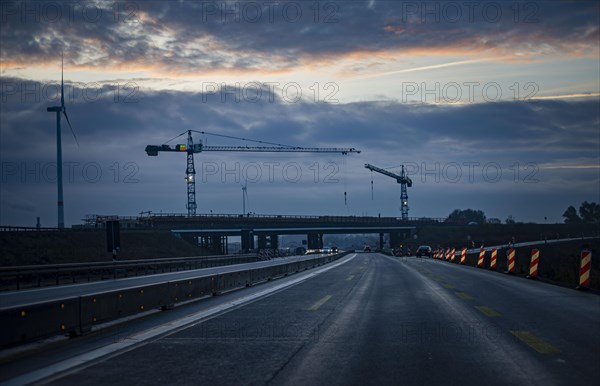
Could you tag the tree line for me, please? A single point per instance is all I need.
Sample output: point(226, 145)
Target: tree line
point(589, 213)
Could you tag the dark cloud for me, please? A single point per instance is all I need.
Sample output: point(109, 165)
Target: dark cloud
point(204, 35)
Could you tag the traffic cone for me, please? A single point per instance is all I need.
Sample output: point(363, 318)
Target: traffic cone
point(493, 259)
point(584, 271)
point(463, 256)
point(533, 266)
point(481, 256)
point(511, 261)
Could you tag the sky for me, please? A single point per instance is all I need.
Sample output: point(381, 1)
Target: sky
point(489, 105)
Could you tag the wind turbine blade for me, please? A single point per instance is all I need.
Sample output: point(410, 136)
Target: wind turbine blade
point(71, 127)
point(62, 88)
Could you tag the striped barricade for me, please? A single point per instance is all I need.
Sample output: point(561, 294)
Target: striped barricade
point(533, 265)
point(493, 259)
point(511, 261)
point(481, 257)
point(584, 271)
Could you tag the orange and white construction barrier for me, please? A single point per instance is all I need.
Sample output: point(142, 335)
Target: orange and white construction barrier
point(452, 255)
point(511, 261)
point(435, 254)
point(463, 256)
point(584, 272)
point(448, 254)
point(481, 256)
point(493, 259)
point(533, 266)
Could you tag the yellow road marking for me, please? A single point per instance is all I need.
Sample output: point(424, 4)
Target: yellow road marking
point(535, 343)
point(488, 311)
point(320, 303)
point(448, 285)
point(464, 295)
point(350, 277)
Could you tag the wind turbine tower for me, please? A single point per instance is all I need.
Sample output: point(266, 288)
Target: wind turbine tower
point(244, 197)
point(59, 175)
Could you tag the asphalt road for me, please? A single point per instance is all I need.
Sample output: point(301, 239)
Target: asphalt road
point(376, 320)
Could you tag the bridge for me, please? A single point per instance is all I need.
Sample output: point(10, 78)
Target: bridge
point(262, 231)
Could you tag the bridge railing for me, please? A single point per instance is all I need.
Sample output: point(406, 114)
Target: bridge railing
point(325, 218)
point(9, 228)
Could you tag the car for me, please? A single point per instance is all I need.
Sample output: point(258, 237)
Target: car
point(330, 250)
point(424, 250)
point(300, 251)
point(367, 248)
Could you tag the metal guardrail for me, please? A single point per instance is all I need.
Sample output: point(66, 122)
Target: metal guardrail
point(28, 276)
point(288, 217)
point(79, 314)
point(9, 228)
point(253, 216)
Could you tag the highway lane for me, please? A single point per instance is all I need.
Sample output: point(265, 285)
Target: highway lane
point(36, 295)
point(378, 320)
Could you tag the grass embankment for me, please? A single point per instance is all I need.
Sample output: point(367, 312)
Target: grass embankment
point(80, 246)
point(559, 262)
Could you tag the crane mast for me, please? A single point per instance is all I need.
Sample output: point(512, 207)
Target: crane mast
point(404, 181)
point(191, 148)
point(190, 175)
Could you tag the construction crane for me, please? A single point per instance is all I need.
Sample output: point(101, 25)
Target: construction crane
point(404, 182)
point(190, 148)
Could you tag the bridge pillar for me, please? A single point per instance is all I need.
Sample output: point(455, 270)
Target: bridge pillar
point(247, 240)
point(262, 242)
point(203, 242)
point(315, 241)
point(218, 244)
point(395, 239)
point(215, 244)
point(274, 241)
point(381, 241)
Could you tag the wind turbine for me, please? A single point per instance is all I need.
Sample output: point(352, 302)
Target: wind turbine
point(244, 196)
point(59, 179)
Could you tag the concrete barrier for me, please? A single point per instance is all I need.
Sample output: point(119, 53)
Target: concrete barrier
point(37, 320)
point(79, 314)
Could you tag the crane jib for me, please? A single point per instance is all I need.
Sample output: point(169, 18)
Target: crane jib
point(153, 150)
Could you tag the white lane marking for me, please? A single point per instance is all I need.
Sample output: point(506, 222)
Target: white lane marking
point(135, 340)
